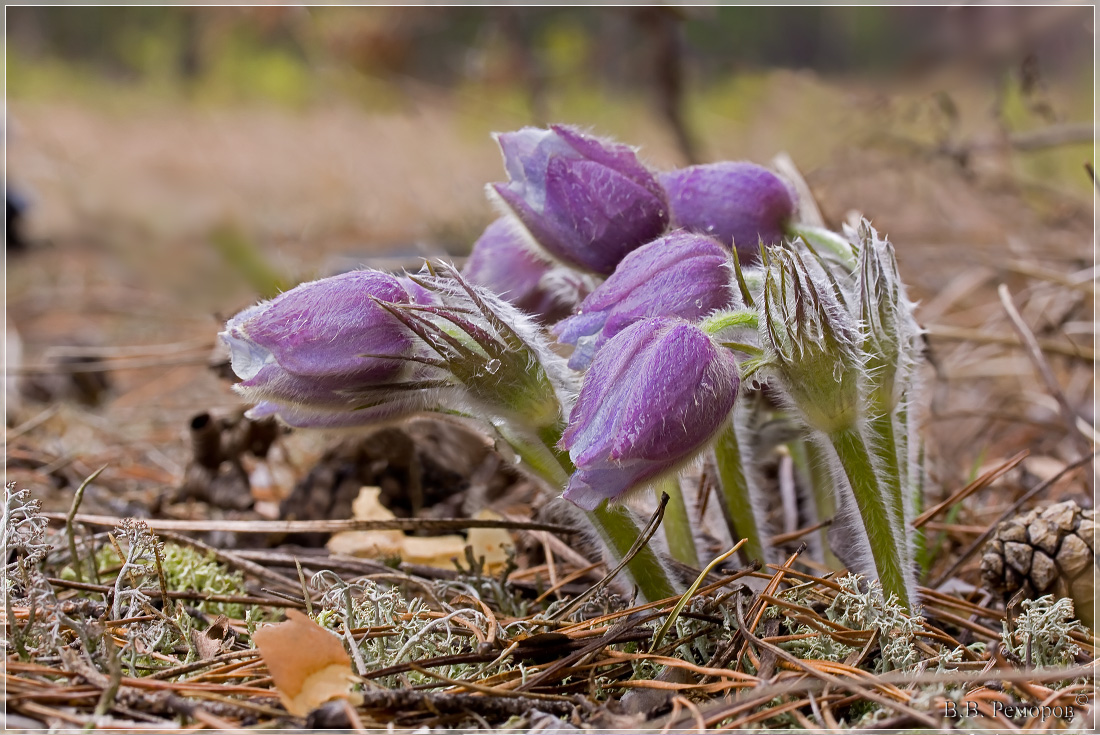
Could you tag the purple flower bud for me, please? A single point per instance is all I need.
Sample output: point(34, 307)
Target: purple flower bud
point(653, 398)
point(504, 263)
point(682, 274)
point(587, 201)
point(739, 203)
point(306, 346)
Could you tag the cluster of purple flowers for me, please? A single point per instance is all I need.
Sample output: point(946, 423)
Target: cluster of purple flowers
point(621, 261)
point(661, 291)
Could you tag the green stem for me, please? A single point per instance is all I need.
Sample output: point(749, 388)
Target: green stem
point(884, 441)
point(724, 320)
point(736, 497)
point(615, 525)
point(678, 533)
point(535, 454)
point(619, 530)
point(875, 507)
point(881, 427)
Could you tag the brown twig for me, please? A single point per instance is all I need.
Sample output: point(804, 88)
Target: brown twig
point(180, 594)
point(426, 525)
point(959, 495)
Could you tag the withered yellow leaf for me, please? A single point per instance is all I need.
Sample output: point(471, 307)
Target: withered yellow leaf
point(307, 663)
point(433, 551)
point(369, 544)
point(490, 543)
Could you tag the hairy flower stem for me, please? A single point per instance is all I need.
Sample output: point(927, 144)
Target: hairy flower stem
point(615, 525)
point(619, 530)
point(814, 466)
point(884, 528)
point(881, 427)
point(536, 454)
point(681, 541)
point(736, 496)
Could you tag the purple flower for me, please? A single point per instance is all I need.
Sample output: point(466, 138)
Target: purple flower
point(504, 263)
point(739, 203)
point(306, 347)
point(681, 274)
point(587, 201)
point(653, 398)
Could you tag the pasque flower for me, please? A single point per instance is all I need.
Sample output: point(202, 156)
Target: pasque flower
point(587, 201)
point(653, 398)
point(307, 347)
point(504, 263)
point(681, 274)
point(739, 203)
point(366, 346)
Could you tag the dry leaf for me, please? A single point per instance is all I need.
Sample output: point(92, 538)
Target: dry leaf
point(367, 505)
point(214, 640)
point(433, 551)
point(491, 543)
point(369, 544)
point(307, 663)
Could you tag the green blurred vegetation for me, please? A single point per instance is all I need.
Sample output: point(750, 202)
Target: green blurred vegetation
point(508, 66)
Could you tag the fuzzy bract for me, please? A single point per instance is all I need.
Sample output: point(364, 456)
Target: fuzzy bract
point(653, 398)
point(737, 202)
point(812, 341)
point(587, 201)
point(681, 274)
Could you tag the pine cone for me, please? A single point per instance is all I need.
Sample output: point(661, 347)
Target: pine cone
point(1045, 552)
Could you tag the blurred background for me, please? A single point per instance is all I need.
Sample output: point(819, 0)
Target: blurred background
point(168, 166)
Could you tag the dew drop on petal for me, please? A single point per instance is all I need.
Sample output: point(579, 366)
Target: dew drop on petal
point(492, 366)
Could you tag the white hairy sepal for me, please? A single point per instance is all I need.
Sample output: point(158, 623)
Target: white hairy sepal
point(566, 285)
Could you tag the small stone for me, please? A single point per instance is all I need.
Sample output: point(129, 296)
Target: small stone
point(1073, 556)
point(1061, 514)
point(1018, 556)
point(1087, 531)
point(1043, 534)
point(1012, 531)
point(1043, 571)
